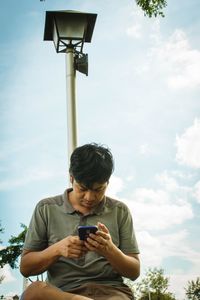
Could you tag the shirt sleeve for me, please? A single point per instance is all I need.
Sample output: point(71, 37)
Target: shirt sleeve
point(36, 237)
point(128, 242)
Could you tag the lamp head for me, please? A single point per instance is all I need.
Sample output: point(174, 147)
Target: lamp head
point(69, 28)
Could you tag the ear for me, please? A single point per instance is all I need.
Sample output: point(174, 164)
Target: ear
point(71, 179)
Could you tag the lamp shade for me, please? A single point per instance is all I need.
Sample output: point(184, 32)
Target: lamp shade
point(68, 28)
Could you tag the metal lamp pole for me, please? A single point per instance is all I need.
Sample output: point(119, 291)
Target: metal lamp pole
point(71, 101)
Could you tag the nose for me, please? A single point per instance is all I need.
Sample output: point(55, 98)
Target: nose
point(89, 196)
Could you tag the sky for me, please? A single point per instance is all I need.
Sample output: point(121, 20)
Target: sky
point(141, 99)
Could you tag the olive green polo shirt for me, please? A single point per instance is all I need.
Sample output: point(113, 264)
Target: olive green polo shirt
point(55, 218)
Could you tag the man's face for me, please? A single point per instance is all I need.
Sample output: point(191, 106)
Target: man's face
point(88, 198)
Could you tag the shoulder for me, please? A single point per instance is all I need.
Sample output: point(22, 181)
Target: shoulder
point(118, 210)
point(55, 201)
point(117, 204)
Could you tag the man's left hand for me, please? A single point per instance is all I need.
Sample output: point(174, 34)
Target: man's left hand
point(101, 241)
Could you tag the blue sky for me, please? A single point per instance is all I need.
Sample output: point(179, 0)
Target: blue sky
point(141, 98)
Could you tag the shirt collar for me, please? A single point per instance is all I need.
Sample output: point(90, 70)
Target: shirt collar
point(67, 205)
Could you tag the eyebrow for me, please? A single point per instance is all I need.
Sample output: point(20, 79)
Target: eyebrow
point(99, 188)
point(96, 189)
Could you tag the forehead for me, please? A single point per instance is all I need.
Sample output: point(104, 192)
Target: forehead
point(95, 186)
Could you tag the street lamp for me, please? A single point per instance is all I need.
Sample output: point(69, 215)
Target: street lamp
point(69, 30)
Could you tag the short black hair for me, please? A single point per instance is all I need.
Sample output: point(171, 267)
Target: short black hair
point(91, 163)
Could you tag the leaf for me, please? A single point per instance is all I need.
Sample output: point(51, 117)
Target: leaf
point(152, 7)
point(10, 254)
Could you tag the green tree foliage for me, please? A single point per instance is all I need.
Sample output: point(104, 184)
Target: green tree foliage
point(152, 7)
point(1, 231)
point(11, 253)
point(154, 286)
point(193, 289)
point(1, 279)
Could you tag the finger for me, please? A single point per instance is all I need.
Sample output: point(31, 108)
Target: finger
point(96, 238)
point(104, 235)
point(90, 247)
point(101, 237)
point(92, 242)
point(76, 240)
point(81, 249)
point(74, 254)
point(84, 249)
point(76, 249)
point(102, 227)
point(97, 243)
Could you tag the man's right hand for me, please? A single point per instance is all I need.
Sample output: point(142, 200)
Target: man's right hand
point(71, 247)
point(36, 262)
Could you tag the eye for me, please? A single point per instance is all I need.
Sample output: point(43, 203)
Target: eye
point(82, 189)
point(100, 189)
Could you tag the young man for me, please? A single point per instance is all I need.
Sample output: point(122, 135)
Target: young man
point(76, 269)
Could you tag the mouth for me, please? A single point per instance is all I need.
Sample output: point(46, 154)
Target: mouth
point(89, 203)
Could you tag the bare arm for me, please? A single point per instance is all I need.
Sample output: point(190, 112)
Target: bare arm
point(37, 262)
point(128, 265)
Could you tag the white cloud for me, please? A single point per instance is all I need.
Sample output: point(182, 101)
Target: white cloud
point(115, 186)
point(14, 146)
point(197, 191)
point(142, 27)
point(7, 274)
point(170, 182)
point(134, 31)
point(167, 181)
point(188, 146)
point(154, 216)
point(182, 174)
point(35, 174)
point(173, 57)
point(156, 197)
point(145, 149)
point(157, 209)
point(150, 249)
point(154, 248)
point(178, 60)
point(155, 34)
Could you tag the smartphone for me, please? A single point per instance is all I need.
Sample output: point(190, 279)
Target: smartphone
point(84, 231)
